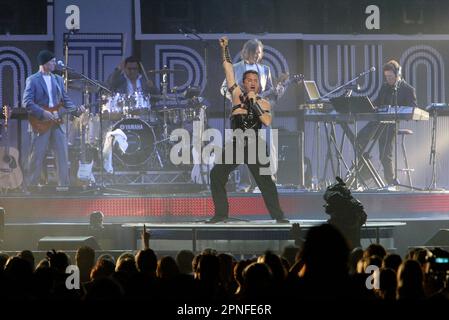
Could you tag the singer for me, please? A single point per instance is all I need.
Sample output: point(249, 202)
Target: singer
point(249, 112)
point(394, 92)
point(46, 100)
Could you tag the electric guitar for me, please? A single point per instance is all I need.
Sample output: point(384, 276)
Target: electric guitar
point(283, 82)
point(10, 173)
point(42, 126)
point(84, 167)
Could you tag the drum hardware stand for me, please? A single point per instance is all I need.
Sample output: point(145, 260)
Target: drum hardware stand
point(165, 136)
point(156, 151)
point(164, 85)
point(100, 187)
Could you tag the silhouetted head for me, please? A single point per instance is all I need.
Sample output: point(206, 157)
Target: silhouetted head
point(146, 261)
point(325, 251)
point(27, 255)
point(167, 268)
point(184, 259)
point(258, 280)
point(392, 261)
point(209, 268)
point(58, 260)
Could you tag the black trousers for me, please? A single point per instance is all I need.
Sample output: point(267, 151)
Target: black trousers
point(386, 146)
point(219, 176)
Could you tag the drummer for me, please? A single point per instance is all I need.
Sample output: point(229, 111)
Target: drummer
point(127, 79)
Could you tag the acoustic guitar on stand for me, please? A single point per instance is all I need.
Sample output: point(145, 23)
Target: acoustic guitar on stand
point(10, 173)
point(85, 166)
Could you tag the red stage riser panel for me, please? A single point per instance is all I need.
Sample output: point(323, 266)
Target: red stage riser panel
point(299, 205)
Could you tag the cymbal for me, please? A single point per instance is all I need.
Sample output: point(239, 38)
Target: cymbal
point(166, 70)
point(83, 85)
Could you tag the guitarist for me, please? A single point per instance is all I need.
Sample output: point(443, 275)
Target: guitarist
point(252, 54)
point(249, 112)
point(46, 101)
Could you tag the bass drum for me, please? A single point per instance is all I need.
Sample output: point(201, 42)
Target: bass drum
point(141, 138)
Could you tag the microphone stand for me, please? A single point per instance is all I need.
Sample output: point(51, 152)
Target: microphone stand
point(89, 80)
point(224, 115)
point(66, 85)
point(396, 125)
point(197, 37)
point(347, 83)
point(354, 116)
point(101, 88)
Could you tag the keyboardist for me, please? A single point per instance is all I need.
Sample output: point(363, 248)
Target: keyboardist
point(395, 92)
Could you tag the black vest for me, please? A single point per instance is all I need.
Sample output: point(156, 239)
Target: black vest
point(246, 121)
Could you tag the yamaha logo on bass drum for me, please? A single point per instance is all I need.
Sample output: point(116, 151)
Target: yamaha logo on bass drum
point(131, 126)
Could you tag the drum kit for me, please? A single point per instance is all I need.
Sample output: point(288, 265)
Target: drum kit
point(145, 119)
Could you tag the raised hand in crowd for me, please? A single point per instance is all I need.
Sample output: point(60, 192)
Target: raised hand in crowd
point(145, 237)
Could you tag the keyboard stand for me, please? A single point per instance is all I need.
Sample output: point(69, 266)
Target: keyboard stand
point(363, 158)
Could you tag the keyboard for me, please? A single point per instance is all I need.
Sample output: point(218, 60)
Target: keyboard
point(404, 113)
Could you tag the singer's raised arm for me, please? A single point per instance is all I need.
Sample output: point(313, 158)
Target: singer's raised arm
point(233, 87)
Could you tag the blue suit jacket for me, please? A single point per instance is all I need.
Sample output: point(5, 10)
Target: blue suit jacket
point(35, 95)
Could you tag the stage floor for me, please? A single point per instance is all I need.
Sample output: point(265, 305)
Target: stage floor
point(126, 208)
